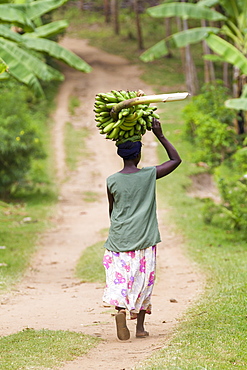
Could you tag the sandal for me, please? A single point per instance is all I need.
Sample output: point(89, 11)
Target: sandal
point(122, 329)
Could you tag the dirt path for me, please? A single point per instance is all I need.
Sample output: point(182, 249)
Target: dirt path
point(49, 296)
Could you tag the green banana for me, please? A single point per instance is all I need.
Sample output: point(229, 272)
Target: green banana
point(113, 134)
point(108, 128)
point(131, 117)
point(125, 128)
point(119, 122)
point(131, 123)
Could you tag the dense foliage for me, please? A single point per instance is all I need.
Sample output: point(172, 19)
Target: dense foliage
point(21, 138)
point(209, 125)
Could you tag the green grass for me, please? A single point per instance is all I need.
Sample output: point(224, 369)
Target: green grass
point(89, 267)
point(42, 349)
point(20, 227)
point(74, 145)
point(74, 103)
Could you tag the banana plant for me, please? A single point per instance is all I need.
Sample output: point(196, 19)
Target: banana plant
point(238, 103)
point(25, 53)
point(234, 28)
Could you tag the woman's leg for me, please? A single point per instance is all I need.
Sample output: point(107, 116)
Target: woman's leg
point(140, 331)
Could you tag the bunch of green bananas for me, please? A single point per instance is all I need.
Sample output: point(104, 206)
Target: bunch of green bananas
point(131, 122)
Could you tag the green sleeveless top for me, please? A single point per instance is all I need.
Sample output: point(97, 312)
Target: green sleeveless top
point(133, 220)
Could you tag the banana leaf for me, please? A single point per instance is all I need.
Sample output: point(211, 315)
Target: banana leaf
point(228, 52)
point(8, 34)
point(20, 72)
point(37, 8)
point(16, 58)
point(156, 51)
point(244, 92)
point(49, 29)
point(238, 104)
point(57, 51)
point(4, 76)
point(232, 7)
point(17, 17)
point(185, 10)
point(208, 3)
point(192, 36)
point(213, 58)
point(3, 66)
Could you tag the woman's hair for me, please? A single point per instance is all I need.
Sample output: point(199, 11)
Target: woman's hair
point(129, 149)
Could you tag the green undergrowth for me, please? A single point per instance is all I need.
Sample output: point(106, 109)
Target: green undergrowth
point(25, 213)
point(42, 349)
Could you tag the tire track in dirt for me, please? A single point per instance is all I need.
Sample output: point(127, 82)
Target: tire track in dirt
point(49, 296)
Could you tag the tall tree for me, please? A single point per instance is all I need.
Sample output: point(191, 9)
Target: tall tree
point(115, 16)
point(107, 11)
point(190, 69)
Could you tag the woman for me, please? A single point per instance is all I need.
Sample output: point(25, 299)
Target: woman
point(130, 256)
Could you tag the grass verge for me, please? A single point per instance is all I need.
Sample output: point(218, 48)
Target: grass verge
point(42, 349)
point(20, 227)
point(89, 267)
point(74, 145)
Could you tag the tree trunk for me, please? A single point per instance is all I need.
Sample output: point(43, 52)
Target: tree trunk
point(182, 50)
point(168, 33)
point(190, 69)
point(209, 74)
point(114, 12)
point(107, 11)
point(226, 74)
point(138, 25)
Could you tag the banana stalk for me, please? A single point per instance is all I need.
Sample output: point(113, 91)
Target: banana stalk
point(146, 99)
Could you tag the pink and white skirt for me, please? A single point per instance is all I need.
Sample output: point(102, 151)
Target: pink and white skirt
point(130, 279)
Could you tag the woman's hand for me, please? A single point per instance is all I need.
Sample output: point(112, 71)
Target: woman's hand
point(156, 128)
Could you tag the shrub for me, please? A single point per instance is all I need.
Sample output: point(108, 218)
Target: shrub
point(240, 159)
point(20, 141)
point(208, 124)
point(232, 212)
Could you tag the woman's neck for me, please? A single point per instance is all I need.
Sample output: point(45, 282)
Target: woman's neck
point(129, 167)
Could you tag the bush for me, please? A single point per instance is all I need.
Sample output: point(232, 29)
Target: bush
point(19, 132)
point(240, 160)
point(208, 124)
point(232, 212)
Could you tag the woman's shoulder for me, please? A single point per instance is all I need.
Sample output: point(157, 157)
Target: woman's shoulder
point(149, 169)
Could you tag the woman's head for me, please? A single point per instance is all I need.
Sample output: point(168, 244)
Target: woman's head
point(129, 150)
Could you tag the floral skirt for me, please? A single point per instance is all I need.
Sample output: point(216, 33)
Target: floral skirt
point(130, 279)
